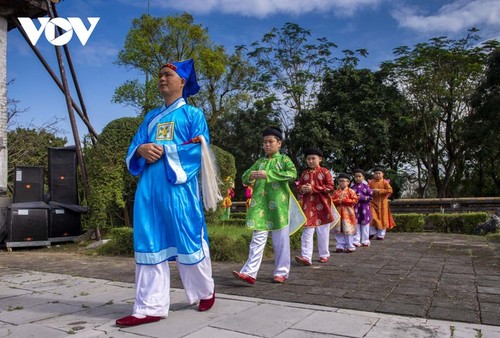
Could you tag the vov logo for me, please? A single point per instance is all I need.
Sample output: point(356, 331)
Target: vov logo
point(48, 25)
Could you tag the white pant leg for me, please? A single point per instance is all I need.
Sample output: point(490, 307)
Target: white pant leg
point(281, 247)
point(197, 278)
point(340, 241)
point(381, 233)
point(323, 237)
point(372, 230)
point(349, 242)
point(365, 233)
point(307, 243)
point(255, 254)
point(357, 235)
point(152, 295)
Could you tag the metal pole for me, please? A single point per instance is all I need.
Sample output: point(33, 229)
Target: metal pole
point(74, 127)
point(73, 73)
point(52, 74)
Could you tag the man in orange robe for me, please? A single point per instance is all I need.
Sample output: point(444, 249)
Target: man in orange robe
point(381, 214)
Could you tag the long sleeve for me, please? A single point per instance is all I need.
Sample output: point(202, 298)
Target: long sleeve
point(326, 185)
point(346, 197)
point(183, 161)
point(283, 171)
point(365, 194)
point(245, 178)
point(136, 163)
point(386, 190)
point(301, 182)
point(350, 198)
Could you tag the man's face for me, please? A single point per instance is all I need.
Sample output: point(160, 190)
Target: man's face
point(170, 84)
point(271, 145)
point(358, 177)
point(378, 175)
point(313, 161)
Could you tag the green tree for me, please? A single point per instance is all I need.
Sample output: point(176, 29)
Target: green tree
point(153, 42)
point(438, 78)
point(481, 136)
point(112, 187)
point(28, 147)
point(290, 67)
point(358, 122)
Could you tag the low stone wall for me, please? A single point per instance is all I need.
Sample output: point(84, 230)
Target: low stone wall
point(446, 205)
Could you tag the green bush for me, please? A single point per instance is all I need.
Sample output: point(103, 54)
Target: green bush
point(121, 242)
point(231, 243)
point(409, 222)
point(456, 223)
point(227, 243)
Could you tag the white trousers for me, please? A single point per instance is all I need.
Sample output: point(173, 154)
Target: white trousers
point(345, 241)
point(152, 297)
point(381, 233)
point(362, 234)
point(281, 247)
point(322, 237)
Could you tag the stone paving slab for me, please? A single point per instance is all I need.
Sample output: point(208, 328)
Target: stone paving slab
point(231, 316)
point(435, 276)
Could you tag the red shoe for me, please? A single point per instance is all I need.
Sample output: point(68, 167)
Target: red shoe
point(324, 259)
point(302, 260)
point(134, 321)
point(243, 277)
point(350, 251)
point(279, 279)
point(206, 304)
point(380, 238)
point(357, 245)
point(339, 250)
point(365, 245)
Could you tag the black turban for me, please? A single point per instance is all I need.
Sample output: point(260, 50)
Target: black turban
point(273, 131)
point(343, 175)
point(313, 151)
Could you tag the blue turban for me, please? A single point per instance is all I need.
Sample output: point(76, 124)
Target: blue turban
point(185, 69)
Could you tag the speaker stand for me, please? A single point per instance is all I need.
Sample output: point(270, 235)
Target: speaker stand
point(10, 245)
point(63, 239)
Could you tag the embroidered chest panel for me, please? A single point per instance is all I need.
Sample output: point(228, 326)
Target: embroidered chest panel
point(165, 131)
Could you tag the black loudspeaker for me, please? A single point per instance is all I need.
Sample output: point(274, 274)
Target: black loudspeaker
point(27, 224)
point(64, 223)
point(28, 184)
point(62, 175)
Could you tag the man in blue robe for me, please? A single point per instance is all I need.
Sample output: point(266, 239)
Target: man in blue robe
point(169, 222)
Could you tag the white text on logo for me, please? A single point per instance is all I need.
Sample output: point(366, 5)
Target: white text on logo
point(49, 26)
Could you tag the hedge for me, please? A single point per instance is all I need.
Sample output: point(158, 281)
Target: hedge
point(463, 223)
point(230, 243)
point(409, 222)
